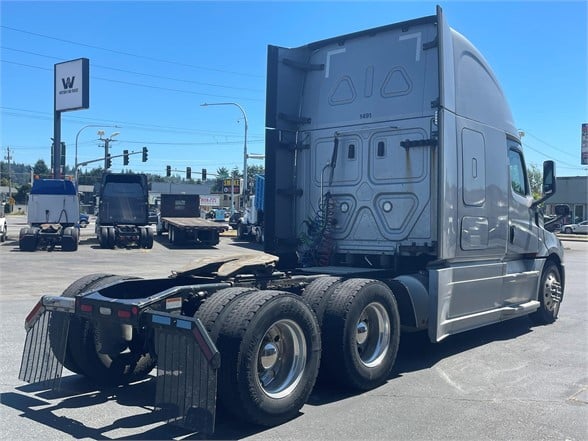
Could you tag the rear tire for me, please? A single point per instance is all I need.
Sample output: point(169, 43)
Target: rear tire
point(270, 353)
point(111, 237)
point(361, 334)
point(103, 237)
point(57, 320)
point(550, 295)
point(148, 244)
point(28, 239)
point(240, 231)
point(318, 293)
point(69, 240)
point(214, 309)
point(129, 364)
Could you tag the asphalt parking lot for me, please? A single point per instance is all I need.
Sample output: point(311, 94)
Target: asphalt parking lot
point(509, 381)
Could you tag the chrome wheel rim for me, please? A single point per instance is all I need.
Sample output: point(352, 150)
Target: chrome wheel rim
point(552, 292)
point(281, 359)
point(373, 334)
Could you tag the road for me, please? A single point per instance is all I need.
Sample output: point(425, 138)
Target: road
point(509, 381)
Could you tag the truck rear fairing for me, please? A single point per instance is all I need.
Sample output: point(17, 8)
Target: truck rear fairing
point(406, 132)
point(359, 128)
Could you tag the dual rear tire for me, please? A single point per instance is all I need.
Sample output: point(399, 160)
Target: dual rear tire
point(146, 238)
point(107, 237)
point(360, 326)
point(271, 343)
point(270, 352)
point(28, 239)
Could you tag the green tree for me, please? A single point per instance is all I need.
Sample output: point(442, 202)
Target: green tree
point(252, 171)
point(90, 177)
point(535, 180)
point(41, 170)
point(222, 173)
point(236, 173)
point(21, 194)
point(155, 178)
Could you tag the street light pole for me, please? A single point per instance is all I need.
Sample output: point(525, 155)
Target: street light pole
point(245, 186)
point(77, 136)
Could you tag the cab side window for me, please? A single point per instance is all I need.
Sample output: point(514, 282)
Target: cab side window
point(518, 173)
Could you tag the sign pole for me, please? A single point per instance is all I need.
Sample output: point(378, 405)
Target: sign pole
point(232, 196)
point(71, 91)
point(56, 145)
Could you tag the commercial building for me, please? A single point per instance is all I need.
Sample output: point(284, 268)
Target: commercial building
point(573, 192)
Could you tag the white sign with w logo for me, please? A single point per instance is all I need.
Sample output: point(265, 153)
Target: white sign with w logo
point(72, 85)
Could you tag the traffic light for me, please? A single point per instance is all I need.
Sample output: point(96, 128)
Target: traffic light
point(108, 161)
point(168, 171)
point(204, 174)
point(125, 157)
point(144, 154)
point(188, 173)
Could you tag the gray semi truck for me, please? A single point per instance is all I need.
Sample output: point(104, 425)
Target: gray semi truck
point(397, 199)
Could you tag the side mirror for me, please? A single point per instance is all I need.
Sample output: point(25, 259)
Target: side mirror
point(549, 178)
point(549, 181)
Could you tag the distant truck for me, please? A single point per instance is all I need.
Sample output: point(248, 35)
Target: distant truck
point(123, 211)
point(250, 225)
point(396, 200)
point(179, 216)
point(53, 212)
point(3, 224)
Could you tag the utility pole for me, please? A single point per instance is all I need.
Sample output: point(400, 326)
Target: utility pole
point(107, 142)
point(8, 158)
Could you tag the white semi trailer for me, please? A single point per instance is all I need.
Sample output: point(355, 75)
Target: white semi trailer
point(396, 198)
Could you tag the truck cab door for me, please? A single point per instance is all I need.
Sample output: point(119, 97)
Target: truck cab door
point(523, 234)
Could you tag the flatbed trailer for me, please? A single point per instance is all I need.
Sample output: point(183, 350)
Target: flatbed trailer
point(179, 216)
point(196, 230)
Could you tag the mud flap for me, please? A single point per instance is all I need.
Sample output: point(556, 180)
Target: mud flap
point(45, 346)
point(187, 365)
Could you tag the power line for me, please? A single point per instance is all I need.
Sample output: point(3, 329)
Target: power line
point(129, 54)
point(188, 144)
point(130, 83)
point(558, 161)
point(546, 143)
point(137, 73)
point(126, 124)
